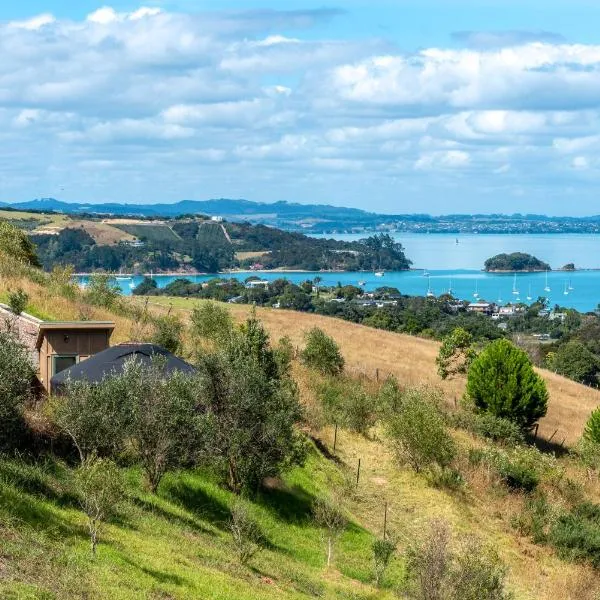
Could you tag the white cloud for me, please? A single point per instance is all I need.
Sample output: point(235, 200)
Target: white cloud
point(219, 103)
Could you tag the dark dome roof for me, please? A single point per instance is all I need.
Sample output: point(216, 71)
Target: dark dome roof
point(112, 360)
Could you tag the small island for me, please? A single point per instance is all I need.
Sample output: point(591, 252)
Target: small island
point(568, 267)
point(515, 262)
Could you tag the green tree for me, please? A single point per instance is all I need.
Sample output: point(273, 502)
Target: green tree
point(96, 417)
point(456, 353)
point(102, 290)
point(17, 301)
point(211, 321)
point(100, 489)
point(246, 534)
point(15, 385)
point(16, 244)
point(322, 353)
point(418, 433)
point(165, 428)
point(502, 381)
point(575, 361)
point(146, 287)
point(329, 514)
point(253, 408)
point(168, 332)
point(383, 551)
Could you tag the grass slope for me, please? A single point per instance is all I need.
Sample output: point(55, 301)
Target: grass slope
point(412, 361)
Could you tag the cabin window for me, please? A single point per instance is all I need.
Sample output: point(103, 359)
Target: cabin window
point(62, 362)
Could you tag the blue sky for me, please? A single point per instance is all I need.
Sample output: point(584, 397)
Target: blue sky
point(389, 105)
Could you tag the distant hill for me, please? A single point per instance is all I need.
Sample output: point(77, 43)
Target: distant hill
point(322, 218)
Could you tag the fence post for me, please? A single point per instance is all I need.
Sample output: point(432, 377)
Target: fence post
point(358, 472)
point(384, 520)
point(335, 438)
point(377, 374)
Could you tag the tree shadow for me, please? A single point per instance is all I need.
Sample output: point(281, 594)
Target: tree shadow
point(324, 450)
point(292, 505)
point(196, 501)
point(159, 576)
point(557, 448)
point(167, 515)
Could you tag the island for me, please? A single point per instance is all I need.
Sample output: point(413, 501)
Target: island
point(515, 262)
point(568, 267)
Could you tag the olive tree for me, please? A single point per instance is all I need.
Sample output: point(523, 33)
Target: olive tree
point(100, 489)
point(322, 353)
point(211, 321)
point(329, 515)
point(252, 408)
point(502, 381)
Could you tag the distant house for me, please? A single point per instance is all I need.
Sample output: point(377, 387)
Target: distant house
point(507, 311)
point(111, 361)
point(557, 316)
point(257, 283)
point(217, 219)
point(56, 345)
point(485, 308)
point(135, 243)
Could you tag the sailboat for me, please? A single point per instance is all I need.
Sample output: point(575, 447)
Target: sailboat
point(379, 273)
point(515, 291)
point(430, 294)
point(499, 297)
point(450, 288)
point(121, 277)
point(566, 292)
point(529, 298)
point(476, 294)
point(570, 288)
point(425, 273)
point(547, 288)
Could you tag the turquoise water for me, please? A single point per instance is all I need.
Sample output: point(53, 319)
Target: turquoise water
point(458, 265)
point(584, 296)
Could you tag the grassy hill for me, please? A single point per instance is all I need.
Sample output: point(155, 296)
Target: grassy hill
point(174, 544)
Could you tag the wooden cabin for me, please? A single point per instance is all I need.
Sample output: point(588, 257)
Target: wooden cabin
point(61, 345)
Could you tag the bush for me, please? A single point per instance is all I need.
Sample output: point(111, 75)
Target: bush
point(246, 534)
point(575, 361)
point(168, 332)
point(16, 244)
point(211, 321)
point(322, 353)
point(592, 427)
point(418, 433)
point(15, 386)
point(383, 551)
point(102, 291)
point(501, 381)
point(488, 426)
point(17, 301)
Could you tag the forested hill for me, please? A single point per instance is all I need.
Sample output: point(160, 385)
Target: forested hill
point(196, 244)
point(517, 261)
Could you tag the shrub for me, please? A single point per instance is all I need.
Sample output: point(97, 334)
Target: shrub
point(15, 386)
point(588, 452)
point(322, 353)
point(331, 518)
point(477, 573)
point(418, 433)
point(16, 244)
point(383, 551)
point(592, 427)
point(211, 321)
point(168, 331)
point(489, 426)
point(100, 489)
point(575, 361)
point(102, 291)
point(17, 301)
point(501, 381)
point(246, 534)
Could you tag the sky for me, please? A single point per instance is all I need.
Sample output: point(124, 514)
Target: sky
point(394, 106)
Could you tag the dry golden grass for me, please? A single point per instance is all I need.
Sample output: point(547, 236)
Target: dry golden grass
point(103, 234)
point(249, 255)
point(412, 361)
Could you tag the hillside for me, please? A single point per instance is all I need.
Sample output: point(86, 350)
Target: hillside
point(174, 544)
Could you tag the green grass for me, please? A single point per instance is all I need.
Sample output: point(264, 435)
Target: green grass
point(152, 233)
point(212, 234)
point(175, 544)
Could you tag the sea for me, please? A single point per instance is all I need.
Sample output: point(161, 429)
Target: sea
point(453, 263)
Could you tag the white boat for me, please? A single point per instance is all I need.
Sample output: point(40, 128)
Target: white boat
point(379, 273)
point(450, 288)
point(570, 288)
point(122, 278)
point(529, 298)
point(515, 291)
point(566, 291)
point(476, 294)
point(547, 288)
point(425, 273)
point(131, 285)
point(361, 283)
point(430, 294)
